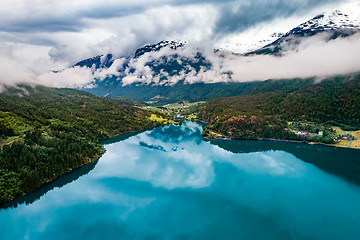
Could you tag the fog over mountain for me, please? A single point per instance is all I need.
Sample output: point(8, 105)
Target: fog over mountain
point(46, 36)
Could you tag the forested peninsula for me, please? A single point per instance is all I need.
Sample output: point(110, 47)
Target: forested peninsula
point(46, 132)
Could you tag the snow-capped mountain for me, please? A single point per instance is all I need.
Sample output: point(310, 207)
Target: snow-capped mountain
point(164, 64)
point(171, 64)
point(100, 61)
point(335, 21)
point(105, 61)
point(247, 44)
point(158, 46)
point(332, 25)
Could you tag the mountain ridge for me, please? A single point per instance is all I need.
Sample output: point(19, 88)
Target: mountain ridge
point(167, 65)
point(335, 24)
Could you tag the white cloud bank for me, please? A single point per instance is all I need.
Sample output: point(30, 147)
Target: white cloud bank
point(51, 35)
point(312, 58)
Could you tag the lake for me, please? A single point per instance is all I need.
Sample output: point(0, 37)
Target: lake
point(167, 183)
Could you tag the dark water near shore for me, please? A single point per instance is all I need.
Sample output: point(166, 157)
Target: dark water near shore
point(167, 183)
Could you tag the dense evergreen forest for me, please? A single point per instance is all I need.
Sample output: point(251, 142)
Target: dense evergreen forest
point(266, 113)
point(47, 132)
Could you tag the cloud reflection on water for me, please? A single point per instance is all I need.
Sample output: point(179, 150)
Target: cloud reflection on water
point(296, 195)
point(192, 190)
point(184, 160)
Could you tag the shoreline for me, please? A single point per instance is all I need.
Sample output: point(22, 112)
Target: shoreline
point(336, 145)
point(3, 205)
point(283, 140)
point(100, 141)
point(309, 143)
point(125, 135)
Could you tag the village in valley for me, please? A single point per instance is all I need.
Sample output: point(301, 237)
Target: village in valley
point(178, 111)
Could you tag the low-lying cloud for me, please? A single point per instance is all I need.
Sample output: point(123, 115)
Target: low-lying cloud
point(314, 57)
point(40, 37)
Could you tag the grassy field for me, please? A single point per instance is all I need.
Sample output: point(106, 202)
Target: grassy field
point(155, 118)
point(355, 144)
point(356, 134)
point(162, 120)
point(340, 131)
point(343, 143)
point(154, 109)
point(191, 117)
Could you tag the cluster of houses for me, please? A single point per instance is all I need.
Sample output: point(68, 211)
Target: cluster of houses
point(343, 137)
point(320, 133)
point(301, 133)
point(346, 137)
point(218, 135)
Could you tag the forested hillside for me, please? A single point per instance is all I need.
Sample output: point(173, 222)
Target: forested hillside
point(46, 132)
point(331, 102)
point(194, 92)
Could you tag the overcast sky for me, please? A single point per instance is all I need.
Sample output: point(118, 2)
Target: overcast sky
point(39, 35)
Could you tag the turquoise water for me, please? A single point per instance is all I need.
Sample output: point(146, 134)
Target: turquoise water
point(167, 183)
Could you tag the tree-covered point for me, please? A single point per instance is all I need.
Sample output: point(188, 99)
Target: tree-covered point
point(334, 101)
point(46, 132)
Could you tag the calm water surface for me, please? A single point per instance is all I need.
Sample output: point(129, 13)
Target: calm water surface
point(168, 183)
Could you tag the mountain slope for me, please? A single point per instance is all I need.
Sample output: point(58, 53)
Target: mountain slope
point(329, 25)
point(158, 46)
point(157, 83)
point(335, 101)
point(166, 63)
point(202, 91)
point(171, 70)
point(101, 61)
